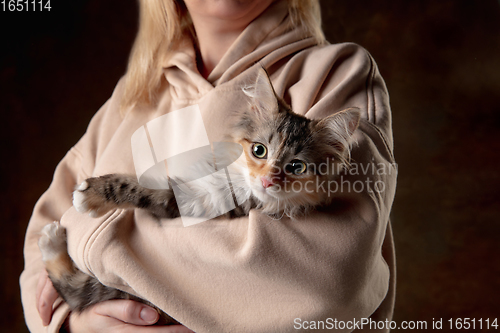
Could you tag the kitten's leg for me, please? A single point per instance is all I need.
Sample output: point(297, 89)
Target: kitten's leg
point(78, 289)
point(99, 195)
point(55, 256)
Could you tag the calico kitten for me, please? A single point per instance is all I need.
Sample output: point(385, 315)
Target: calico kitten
point(277, 173)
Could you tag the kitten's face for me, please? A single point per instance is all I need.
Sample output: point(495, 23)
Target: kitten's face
point(279, 158)
point(283, 157)
point(284, 151)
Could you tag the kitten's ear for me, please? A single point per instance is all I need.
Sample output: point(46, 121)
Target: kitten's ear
point(262, 94)
point(340, 128)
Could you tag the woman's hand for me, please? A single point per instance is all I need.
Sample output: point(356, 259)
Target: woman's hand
point(120, 316)
point(113, 316)
point(46, 295)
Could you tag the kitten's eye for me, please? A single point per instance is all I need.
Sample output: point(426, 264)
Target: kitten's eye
point(296, 167)
point(259, 150)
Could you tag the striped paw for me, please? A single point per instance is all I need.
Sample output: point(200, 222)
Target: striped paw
point(86, 199)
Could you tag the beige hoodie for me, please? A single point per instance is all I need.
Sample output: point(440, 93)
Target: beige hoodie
point(251, 274)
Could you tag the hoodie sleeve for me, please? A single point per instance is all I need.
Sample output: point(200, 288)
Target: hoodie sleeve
point(50, 207)
point(75, 167)
point(257, 274)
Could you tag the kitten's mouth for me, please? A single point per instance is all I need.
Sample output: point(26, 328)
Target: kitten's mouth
point(263, 194)
point(272, 193)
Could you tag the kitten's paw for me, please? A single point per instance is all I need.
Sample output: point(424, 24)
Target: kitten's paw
point(87, 200)
point(80, 198)
point(52, 243)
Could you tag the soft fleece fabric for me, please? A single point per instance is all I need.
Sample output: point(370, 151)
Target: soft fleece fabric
point(252, 274)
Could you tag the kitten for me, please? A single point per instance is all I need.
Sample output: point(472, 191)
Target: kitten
point(276, 173)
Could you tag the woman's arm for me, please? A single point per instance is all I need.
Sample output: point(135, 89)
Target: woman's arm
point(50, 207)
point(42, 305)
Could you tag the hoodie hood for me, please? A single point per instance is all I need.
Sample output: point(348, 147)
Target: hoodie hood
point(265, 40)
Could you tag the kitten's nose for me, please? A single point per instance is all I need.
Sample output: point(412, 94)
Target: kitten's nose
point(266, 182)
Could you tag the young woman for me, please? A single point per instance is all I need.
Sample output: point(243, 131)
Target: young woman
point(253, 274)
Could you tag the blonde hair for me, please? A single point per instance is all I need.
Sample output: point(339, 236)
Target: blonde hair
point(163, 23)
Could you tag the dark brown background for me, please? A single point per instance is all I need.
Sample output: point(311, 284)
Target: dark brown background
point(441, 62)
